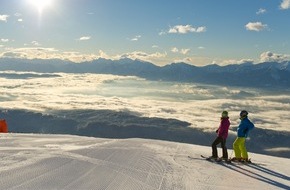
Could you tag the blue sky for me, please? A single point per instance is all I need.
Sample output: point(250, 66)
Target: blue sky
point(198, 32)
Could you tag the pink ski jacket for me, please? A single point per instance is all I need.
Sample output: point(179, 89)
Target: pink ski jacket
point(224, 128)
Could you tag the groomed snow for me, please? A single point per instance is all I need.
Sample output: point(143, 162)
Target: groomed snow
point(30, 161)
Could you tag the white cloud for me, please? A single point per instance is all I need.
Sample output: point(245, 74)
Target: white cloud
point(184, 29)
point(136, 38)
point(269, 56)
point(234, 61)
point(255, 26)
point(52, 53)
point(174, 50)
point(187, 60)
point(155, 46)
point(17, 14)
point(29, 53)
point(143, 55)
point(261, 11)
point(35, 43)
point(201, 29)
point(285, 4)
point(162, 33)
point(102, 54)
point(76, 56)
point(4, 18)
point(47, 53)
point(156, 58)
point(182, 51)
point(4, 40)
point(201, 47)
point(84, 38)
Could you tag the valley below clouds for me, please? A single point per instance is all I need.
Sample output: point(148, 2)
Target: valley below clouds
point(114, 106)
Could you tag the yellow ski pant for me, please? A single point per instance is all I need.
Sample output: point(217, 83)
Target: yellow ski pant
point(240, 148)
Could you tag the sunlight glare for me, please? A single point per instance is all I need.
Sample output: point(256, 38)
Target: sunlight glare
point(40, 4)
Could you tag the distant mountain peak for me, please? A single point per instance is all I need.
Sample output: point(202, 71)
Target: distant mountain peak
point(268, 74)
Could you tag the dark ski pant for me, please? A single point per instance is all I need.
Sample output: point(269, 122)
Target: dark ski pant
point(217, 141)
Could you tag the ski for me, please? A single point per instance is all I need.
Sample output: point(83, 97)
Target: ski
point(241, 161)
point(248, 163)
point(208, 158)
point(217, 160)
point(229, 161)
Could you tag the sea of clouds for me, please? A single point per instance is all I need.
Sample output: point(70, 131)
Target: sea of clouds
point(198, 104)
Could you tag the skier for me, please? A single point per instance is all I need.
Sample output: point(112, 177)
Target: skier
point(222, 134)
point(239, 146)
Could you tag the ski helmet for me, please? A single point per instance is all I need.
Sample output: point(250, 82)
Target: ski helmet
point(244, 113)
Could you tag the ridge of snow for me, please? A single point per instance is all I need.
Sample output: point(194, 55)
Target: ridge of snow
point(30, 161)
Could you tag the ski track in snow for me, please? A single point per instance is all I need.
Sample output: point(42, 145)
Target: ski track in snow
point(30, 161)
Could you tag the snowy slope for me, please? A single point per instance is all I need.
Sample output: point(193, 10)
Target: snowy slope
point(30, 161)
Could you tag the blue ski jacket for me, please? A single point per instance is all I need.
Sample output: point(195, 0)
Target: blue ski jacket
point(245, 126)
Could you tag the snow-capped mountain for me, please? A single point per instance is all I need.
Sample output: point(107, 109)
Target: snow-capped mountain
point(268, 74)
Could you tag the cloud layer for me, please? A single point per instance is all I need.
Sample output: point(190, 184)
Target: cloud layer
point(199, 105)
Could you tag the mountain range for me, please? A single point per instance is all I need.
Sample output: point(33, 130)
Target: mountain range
point(262, 75)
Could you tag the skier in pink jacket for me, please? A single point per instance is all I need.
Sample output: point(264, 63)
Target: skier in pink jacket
point(222, 134)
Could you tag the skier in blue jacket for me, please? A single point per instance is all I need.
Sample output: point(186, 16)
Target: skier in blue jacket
point(245, 126)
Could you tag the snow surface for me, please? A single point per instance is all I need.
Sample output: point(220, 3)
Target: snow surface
point(30, 161)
